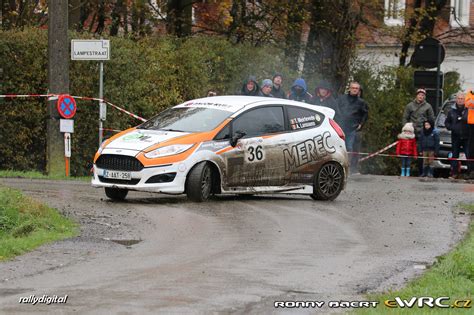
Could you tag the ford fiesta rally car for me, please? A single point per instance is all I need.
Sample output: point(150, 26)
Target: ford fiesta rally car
point(227, 144)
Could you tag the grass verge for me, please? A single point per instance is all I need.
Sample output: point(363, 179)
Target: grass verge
point(38, 175)
point(451, 276)
point(26, 224)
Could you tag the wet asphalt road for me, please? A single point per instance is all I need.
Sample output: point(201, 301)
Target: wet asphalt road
point(233, 254)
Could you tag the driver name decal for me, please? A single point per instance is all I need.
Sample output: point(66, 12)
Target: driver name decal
point(308, 151)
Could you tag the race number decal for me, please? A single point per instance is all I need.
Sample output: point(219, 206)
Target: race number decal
point(254, 153)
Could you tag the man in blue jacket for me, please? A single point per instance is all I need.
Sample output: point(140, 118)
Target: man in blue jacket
point(299, 91)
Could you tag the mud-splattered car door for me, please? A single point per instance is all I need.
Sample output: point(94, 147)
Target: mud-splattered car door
point(257, 159)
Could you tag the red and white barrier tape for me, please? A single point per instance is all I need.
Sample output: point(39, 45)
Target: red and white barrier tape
point(108, 103)
point(52, 97)
point(379, 151)
point(113, 130)
point(413, 157)
point(24, 95)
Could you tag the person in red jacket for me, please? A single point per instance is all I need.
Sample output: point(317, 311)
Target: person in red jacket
point(407, 146)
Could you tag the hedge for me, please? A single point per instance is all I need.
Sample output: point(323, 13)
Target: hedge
point(142, 76)
point(153, 73)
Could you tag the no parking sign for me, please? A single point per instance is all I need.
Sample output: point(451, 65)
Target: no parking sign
point(66, 106)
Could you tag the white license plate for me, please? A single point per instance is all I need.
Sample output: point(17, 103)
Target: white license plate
point(117, 175)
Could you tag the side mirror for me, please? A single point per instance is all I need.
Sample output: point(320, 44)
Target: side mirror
point(236, 137)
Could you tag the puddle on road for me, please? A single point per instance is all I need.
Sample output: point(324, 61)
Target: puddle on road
point(124, 242)
point(11, 291)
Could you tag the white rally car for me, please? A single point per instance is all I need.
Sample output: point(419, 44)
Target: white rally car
point(227, 144)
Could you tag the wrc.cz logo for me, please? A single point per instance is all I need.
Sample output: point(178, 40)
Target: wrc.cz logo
point(420, 302)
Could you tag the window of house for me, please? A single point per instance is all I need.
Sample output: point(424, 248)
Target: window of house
point(459, 13)
point(394, 12)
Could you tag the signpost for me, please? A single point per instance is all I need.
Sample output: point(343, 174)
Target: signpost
point(97, 49)
point(429, 53)
point(67, 150)
point(67, 109)
point(66, 106)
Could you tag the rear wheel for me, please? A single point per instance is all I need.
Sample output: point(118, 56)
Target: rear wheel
point(328, 182)
point(116, 193)
point(199, 182)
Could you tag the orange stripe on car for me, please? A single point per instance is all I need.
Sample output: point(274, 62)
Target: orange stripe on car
point(226, 149)
point(195, 138)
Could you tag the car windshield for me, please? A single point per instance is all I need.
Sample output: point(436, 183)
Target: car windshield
point(187, 119)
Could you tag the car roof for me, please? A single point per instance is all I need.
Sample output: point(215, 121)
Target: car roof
point(236, 103)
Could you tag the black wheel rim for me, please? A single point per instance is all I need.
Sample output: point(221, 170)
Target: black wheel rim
point(330, 179)
point(206, 182)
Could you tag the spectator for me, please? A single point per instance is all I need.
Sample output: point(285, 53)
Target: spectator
point(277, 90)
point(406, 145)
point(470, 121)
point(266, 88)
point(456, 121)
point(299, 92)
point(416, 112)
point(323, 95)
point(211, 93)
point(352, 115)
point(428, 146)
point(250, 87)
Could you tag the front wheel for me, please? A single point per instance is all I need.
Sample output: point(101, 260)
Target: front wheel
point(199, 182)
point(116, 193)
point(328, 182)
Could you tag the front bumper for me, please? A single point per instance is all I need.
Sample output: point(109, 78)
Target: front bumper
point(140, 178)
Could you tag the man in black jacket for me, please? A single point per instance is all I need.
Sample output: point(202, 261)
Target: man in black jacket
point(277, 90)
point(456, 121)
point(352, 112)
point(323, 95)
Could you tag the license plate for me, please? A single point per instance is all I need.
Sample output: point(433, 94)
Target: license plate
point(117, 175)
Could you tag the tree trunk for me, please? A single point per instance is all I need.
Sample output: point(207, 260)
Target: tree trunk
point(85, 11)
point(74, 13)
point(330, 47)
point(179, 17)
point(295, 18)
point(100, 17)
point(116, 17)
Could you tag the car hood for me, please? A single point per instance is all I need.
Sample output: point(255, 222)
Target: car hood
point(140, 139)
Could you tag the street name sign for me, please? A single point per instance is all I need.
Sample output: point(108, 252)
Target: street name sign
point(96, 49)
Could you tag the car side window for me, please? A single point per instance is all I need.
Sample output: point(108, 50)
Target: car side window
point(260, 121)
point(224, 133)
point(303, 118)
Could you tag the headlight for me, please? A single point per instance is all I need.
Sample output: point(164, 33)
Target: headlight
point(168, 150)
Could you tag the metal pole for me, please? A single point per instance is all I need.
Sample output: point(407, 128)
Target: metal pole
point(101, 96)
point(438, 73)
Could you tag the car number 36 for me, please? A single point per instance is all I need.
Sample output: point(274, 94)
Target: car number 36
point(254, 153)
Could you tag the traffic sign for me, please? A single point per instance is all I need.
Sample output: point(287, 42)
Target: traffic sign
point(67, 144)
point(66, 106)
point(428, 80)
point(66, 125)
point(95, 49)
point(429, 53)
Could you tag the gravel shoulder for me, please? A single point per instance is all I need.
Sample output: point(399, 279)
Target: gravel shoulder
point(233, 254)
